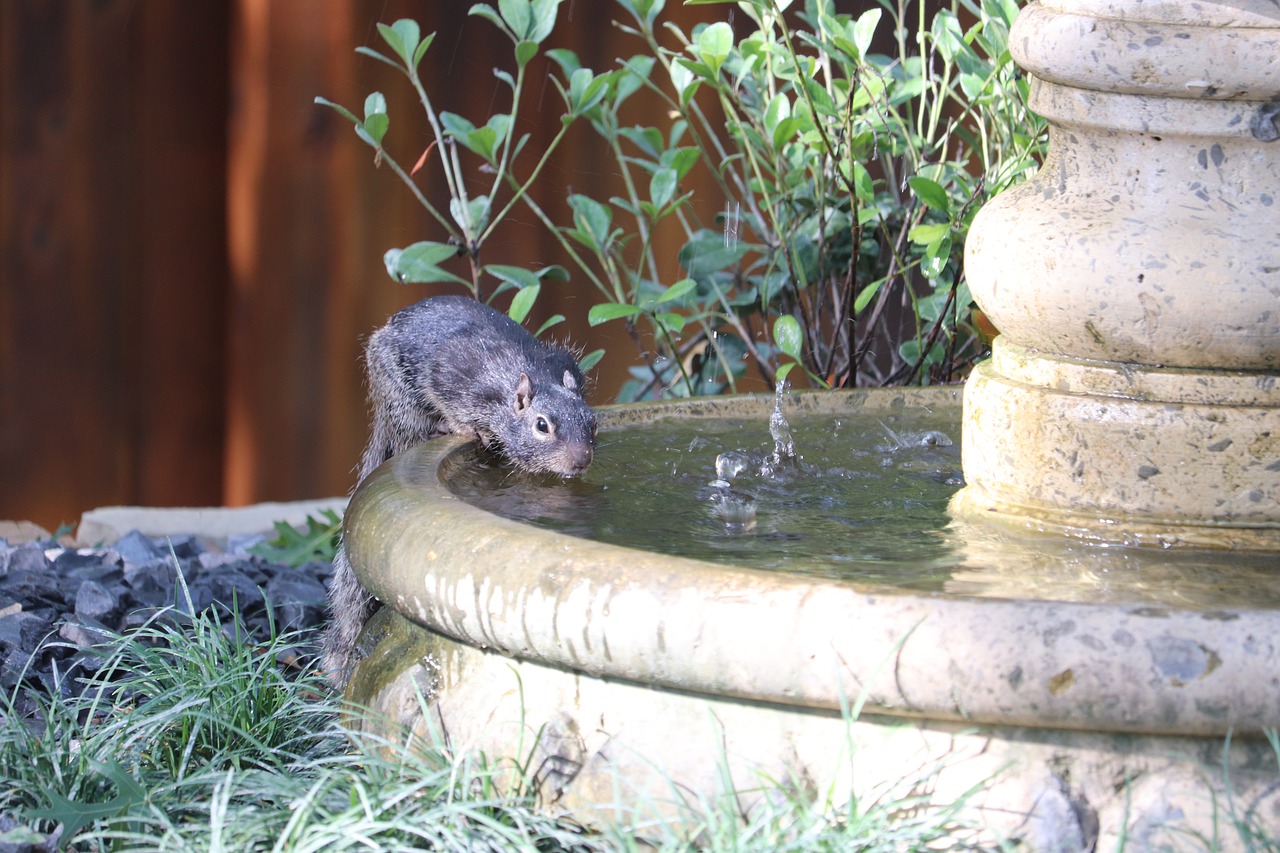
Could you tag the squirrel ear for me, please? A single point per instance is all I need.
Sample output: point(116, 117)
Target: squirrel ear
point(524, 393)
point(570, 382)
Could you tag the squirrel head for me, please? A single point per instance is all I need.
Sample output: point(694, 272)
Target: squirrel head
point(556, 428)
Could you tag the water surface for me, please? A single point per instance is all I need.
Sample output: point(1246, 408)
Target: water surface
point(865, 503)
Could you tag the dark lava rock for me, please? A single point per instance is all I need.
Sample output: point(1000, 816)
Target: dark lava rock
point(95, 601)
point(58, 604)
point(22, 630)
point(134, 548)
point(25, 558)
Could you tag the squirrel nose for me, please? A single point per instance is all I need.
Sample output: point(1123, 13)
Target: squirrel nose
point(580, 454)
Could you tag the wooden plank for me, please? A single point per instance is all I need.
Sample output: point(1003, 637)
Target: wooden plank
point(62, 145)
point(295, 213)
point(179, 160)
point(90, 369)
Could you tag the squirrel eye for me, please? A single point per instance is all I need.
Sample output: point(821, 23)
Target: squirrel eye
point(542, 426)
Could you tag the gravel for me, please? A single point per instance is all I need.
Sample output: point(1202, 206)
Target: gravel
point(56, 602)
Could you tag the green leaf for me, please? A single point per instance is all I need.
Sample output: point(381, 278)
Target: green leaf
point(606, 311)
point(393, 39)
point(680, 159)
point(645, 10)
point(706, 253)
point(947, 35)
point(670, 322)
point(864, 30)
point(403, 37)
point(566, 59)
point(456, 126)
point(778, 109)
point(476, 213)
point(375, 127)
point(553, 320)
point(590, 360)
point(936, 255)
point(418, 264)
point(339, 109)
point(523, 301)
point(788, 335)
point(525, 50)
point(675, 291)
point(422, 49)
point(500, 124)
point(973, 85)
point(713, 45)
point(683, 80)
point(865, 295)
point(519, 276)
point(482, 141)
point(931, 193)
point(662, 186)
point(75, 816)
point(317, 540)
point(518, 16)
point(552, 272)
point(647, 139)
point(928, 232)
point(484, 10)
point(544, 19)
point(592, 218)
point(631, 76)
point(586, 89)
point(863, 185)
point(368, 51)
point(785, 131)
point(375, 117)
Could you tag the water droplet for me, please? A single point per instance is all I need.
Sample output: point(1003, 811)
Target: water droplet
point(730, 464)
point(934, 438)
point(736, 509)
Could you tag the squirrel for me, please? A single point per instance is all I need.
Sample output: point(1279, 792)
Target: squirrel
point(452, 365)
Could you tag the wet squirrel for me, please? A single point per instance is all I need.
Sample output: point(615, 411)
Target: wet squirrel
point(452, 365)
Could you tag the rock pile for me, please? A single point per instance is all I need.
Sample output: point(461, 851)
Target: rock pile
point(57, 602)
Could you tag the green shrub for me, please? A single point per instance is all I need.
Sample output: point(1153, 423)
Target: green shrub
point(846, 182)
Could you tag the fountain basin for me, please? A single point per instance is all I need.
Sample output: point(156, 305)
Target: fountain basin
point(631, 676)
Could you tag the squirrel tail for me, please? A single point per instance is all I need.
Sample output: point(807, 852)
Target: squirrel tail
point(401, 419)
point(350, 607)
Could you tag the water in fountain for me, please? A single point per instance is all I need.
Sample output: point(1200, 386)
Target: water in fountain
point(860, 497)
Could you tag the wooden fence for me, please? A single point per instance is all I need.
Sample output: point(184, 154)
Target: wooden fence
point(192, 250)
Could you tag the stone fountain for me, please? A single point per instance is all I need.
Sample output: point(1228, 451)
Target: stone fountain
point(1133, 392)
point(1131, 402)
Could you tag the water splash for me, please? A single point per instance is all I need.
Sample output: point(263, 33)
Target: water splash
point(784, 446)
point(729, 465)
point(737, 509)
point(731, 214)
point(903, 440)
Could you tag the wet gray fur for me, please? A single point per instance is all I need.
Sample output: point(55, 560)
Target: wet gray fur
point(450, 364)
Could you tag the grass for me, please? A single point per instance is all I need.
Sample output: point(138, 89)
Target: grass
point(191, 739)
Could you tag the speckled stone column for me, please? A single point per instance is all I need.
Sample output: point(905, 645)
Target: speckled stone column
point(1133, 393)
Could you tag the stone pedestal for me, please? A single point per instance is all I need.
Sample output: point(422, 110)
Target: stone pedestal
point(1133, 395)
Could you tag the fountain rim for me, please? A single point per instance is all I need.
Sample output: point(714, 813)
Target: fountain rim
point(677, 623)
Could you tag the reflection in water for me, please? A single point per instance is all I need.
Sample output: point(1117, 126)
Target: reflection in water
point(865, 503)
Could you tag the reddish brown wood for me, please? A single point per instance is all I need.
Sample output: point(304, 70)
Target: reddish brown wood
point(102, 229)
point(192, 249)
